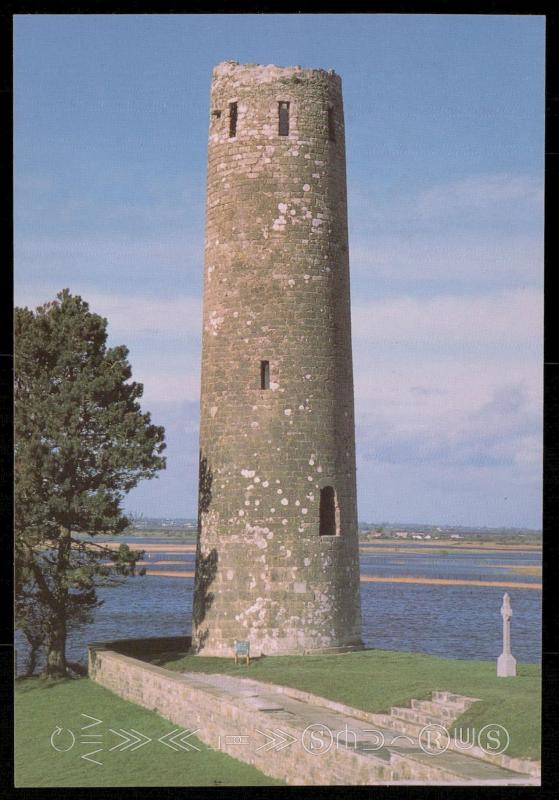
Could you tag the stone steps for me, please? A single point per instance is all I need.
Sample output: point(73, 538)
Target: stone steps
point(445, 711)
point(448, 698)
point(417, 717)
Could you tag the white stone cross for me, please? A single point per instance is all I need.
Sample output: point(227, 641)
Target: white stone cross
point(506, 663)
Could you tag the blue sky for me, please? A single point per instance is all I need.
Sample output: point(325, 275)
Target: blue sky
point(445, 144)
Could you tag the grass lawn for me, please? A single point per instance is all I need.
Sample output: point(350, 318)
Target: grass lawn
point(374, 680)
point(41, 706)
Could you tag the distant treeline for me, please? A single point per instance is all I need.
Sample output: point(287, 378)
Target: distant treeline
point(181, 526)
point(445, 532)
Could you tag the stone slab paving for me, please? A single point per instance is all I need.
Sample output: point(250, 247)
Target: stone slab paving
point(336, 730)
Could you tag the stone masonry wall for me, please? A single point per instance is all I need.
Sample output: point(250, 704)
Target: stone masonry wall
point(219, 716)
point(214, 718)
point(276, 289)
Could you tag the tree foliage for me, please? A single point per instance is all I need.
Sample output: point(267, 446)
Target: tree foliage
point(81, 443)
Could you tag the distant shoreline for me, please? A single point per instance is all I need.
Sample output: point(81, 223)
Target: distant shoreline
point(166, 573)
point(380, 546)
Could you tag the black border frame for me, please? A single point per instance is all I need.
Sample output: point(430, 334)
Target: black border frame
point(550, 652)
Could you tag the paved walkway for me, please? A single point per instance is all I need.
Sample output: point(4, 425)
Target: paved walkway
point(290, 718)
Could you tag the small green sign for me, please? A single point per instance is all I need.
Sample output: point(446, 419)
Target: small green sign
point(242, 648)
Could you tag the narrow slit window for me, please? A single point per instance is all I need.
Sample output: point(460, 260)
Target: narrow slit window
point(283, 111)
point(264, 374)
point(331, 126)
point(232, 120)
point(327, 525)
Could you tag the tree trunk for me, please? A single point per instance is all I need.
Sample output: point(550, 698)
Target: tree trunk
point(56, 653)
point(56, 649)
point(35, 645)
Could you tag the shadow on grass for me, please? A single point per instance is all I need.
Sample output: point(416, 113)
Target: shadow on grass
point(29, 684)
point(163, 658)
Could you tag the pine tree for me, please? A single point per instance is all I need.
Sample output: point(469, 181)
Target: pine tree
point(81, 443)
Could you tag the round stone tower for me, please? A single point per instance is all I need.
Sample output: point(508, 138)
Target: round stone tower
point(277, 559)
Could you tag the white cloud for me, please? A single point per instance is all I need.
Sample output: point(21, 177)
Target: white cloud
point(450, 259)
point(530, 453)
point(480, 230)
point(105, 254)
point(133, 315)
point(501, 195)
point(167, 386)
point(479, 193)
point(151, 199)
point(504, 432)
point(454, 388)
point(503, 318)
point(453, 380)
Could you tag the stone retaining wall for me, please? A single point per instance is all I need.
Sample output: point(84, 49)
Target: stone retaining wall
point(182, 700)
point(215, 717)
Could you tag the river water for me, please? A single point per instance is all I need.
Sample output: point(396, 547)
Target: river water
point(443, 620)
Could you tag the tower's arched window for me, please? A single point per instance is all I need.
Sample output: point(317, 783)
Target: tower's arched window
point(328, 525)
point(283, 118)
point(232, 120)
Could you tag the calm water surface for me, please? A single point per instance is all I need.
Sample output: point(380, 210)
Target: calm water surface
point(449, 621)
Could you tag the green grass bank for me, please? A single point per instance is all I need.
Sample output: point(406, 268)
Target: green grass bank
point(41, 706)
point(372, 680)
